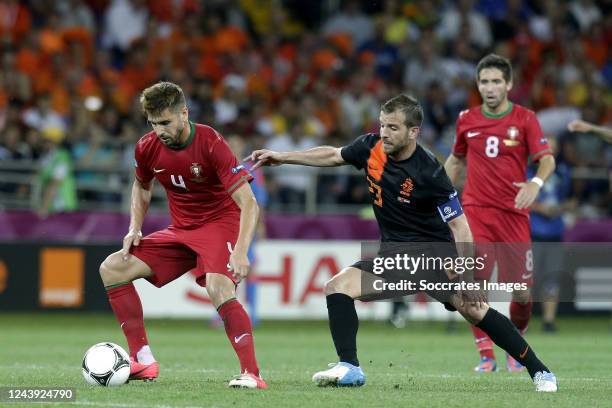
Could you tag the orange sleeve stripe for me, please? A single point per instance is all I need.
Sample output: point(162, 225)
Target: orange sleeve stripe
point(377, 161)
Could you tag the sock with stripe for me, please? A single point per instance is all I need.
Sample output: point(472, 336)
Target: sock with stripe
point(503, 333)
point(240, 334)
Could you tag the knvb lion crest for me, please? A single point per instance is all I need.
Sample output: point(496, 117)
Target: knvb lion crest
point(407, 187)
point(196, 171)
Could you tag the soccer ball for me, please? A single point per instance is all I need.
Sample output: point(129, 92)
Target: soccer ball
point(106, 364)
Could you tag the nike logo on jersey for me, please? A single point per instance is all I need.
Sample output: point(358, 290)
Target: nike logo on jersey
point(472, 134)
point(527, 275)
point(238, 338)
point(158, 170)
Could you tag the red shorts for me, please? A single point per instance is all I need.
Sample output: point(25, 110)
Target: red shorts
point(172, 252)
point(504, 237)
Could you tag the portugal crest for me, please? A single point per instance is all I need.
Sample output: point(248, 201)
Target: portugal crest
point(513, 132)
point(196, 172)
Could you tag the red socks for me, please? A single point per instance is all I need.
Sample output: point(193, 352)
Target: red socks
point(483, 343)
point(520, 314)
point(127, 308)
point(240, 334)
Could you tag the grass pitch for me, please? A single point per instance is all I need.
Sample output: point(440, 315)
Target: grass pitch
point(421, 365)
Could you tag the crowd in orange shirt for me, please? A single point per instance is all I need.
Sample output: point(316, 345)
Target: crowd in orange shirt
point(254, 67)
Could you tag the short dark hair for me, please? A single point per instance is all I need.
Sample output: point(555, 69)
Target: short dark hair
point(413, 112)
point(495, 61)
point(163, 95)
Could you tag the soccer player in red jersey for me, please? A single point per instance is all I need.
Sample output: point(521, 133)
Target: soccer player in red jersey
point(214, 215)
point(494, 141)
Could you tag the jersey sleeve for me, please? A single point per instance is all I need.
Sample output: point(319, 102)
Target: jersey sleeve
point(445, 196)
point(231, 173)
point(358, 152)
point(537, 144)
point(460, 145)
point(144, 172)
point(442, 188)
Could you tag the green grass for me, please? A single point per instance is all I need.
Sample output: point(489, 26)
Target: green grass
point(420, 365)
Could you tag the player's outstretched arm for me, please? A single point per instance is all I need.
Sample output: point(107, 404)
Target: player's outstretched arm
point(141, 198)
point(465, 248)
point(461, 230)
point(454, 168)
point(581, 126)
point(249, 215)
point(463, 236)
point(322, 156)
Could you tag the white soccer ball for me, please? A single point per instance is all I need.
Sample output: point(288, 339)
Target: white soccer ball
point(106, 364)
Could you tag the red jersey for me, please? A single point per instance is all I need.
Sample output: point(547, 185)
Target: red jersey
point(497, 148)
point(199, 177)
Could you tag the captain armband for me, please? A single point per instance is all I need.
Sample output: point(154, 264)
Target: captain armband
point(451, 209)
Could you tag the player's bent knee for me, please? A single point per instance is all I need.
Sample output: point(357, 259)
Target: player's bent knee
point(331, 286)
point(474, 314)
point(220, 288)
point(344, 283)
point(337, 284)
point(115, 269)
point(107, 272)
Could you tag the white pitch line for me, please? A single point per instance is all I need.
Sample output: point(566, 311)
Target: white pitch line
point(279, 374)
point(513, 378)
point(124, 405)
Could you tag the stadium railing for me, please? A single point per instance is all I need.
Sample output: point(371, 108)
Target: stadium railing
point(108, 188)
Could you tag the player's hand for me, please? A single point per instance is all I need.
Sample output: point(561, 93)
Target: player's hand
point(239, 265)
point(264, 157)
point(527, 194)
point(579, 126)
point(450, 273)
point(474, 297)
point(132, 238)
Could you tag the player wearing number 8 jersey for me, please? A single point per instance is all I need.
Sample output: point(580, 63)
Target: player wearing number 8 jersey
point(495, 141)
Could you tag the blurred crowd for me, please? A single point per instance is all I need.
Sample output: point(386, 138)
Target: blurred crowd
point(290, 74)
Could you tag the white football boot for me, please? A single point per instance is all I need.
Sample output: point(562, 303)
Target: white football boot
point(340, 374)
point(545, 381)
